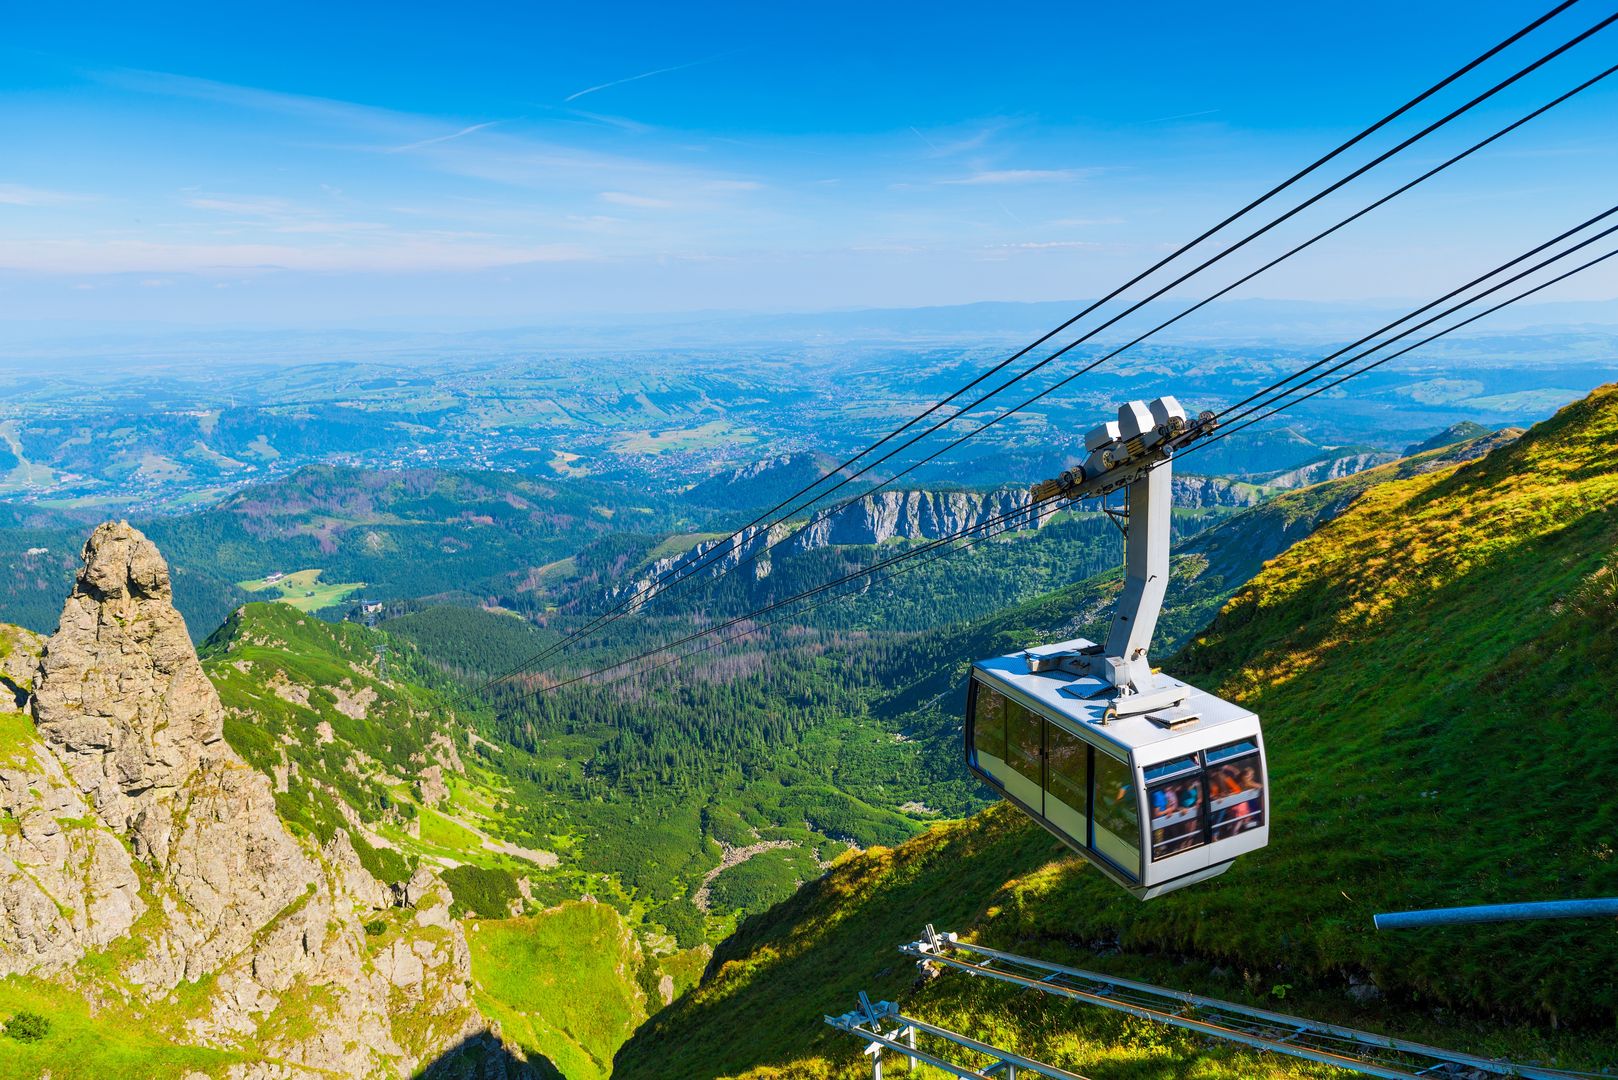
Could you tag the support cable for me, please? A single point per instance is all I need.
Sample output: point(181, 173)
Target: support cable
point(1037, 508)
point(1409, 348)
point(631, 602)
point(1580, 246)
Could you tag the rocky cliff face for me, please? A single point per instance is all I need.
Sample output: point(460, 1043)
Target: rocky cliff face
point(905, 515)
point(874, 519)
point(916, 515)
point(1331, 469)
point(140, 855)
point(1201, 492)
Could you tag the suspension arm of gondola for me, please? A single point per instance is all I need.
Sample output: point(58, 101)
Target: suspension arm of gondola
point(1132, 453)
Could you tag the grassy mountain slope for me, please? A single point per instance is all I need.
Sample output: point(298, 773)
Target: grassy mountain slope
point(568, 984)
point(359, 734)
point(1436, 669)
point(355, 740)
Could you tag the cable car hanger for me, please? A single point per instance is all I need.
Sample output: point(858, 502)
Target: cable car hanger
point(1156, 783)
point(1133, 453)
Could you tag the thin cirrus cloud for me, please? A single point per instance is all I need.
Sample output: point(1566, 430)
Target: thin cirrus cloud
point(626, 198)
point(23, 195)
point(435, 140)
point(550, 184)
point(645, 75)
point(390, 255)
point(278, 215)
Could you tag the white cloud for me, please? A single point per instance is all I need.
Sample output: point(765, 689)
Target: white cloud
point(451, 137)
point(644, 75)
point(393, 254)
point(278, 215)
point(1047, 245)
point(22, 195)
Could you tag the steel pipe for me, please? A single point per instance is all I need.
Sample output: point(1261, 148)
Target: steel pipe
point(1544, 909)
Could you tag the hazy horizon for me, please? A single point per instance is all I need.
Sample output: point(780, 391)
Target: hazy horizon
point(512, 168)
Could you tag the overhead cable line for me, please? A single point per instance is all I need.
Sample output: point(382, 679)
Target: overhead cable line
point(1288, 254)
point(1405, 144)
point(679, 573)
point(770, 545)
point(1581, 245)
point(1036, 508)
point(1542, 109)
point(1409, 348)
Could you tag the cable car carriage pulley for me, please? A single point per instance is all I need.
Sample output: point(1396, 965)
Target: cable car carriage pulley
point(1155, 782)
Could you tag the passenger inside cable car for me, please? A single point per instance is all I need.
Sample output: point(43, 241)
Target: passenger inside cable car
point(1154, 807)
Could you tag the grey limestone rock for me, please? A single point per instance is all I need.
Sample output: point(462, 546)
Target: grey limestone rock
point(126, 812)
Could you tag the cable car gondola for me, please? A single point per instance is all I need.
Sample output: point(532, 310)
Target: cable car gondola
point(1155, 782)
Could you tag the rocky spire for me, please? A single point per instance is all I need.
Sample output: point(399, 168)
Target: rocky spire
point(122, 702)
point(121, 695)
point(128, 813)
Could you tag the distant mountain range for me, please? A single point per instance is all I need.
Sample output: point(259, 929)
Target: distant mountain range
point(1229, 321)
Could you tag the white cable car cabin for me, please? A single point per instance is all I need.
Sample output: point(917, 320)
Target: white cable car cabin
point(1155, 782)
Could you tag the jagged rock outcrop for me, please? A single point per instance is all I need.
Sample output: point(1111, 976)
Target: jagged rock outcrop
point(1334, 468)
point(123, 704)
point(1200, 492)
point(916, 515)
point(753, 547)
point(873, 519)
point(19, 663)
point(125, 817)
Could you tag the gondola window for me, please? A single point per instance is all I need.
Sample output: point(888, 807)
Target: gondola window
point(1235, 789)
point(1117, 820)
point(1067, 789)
point(1024, 751)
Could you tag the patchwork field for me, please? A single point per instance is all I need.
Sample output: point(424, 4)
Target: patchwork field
point(303, 589)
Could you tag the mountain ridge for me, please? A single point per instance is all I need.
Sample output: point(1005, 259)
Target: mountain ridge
point(143, 866)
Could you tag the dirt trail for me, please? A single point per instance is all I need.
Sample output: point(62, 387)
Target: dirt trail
point(733, 856)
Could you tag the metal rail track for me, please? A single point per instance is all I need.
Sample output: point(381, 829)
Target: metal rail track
point(883, 1029)
point(1329, 1044)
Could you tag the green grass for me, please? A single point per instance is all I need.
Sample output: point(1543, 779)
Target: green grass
point(282, 675)
point(714, 433)
point(1435, 670)
point(561, 984)
point(115, 1041)
point(304, 590)
point(17, 739)
point(762, 881)
point(680, 543)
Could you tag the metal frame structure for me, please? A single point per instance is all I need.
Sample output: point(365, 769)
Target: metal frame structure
point(885, 1029)
point(1134, 453)
point(1329, 1044)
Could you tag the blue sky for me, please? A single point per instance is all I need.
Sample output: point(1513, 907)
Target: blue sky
point(296, 164)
